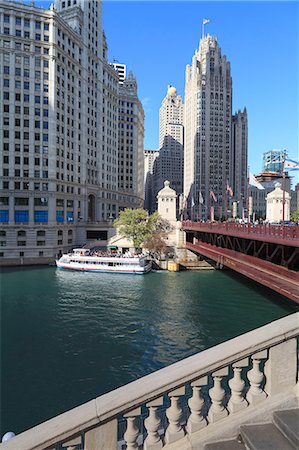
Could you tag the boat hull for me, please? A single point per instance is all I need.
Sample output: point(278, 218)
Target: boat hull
point(133, 271)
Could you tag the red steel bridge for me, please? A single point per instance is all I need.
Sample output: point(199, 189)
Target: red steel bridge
point(268, 254)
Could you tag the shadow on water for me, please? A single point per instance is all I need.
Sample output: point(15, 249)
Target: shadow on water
point(266, 292)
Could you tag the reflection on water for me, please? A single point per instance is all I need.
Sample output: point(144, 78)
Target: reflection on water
point(70, 336)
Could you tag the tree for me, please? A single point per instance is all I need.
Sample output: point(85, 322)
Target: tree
point(136, 224)
point(156, 243)
point(295, 216)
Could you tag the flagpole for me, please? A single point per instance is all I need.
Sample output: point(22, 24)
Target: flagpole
point(283, 186)
point(203, 29)
point(248, 194)
point(226, 201)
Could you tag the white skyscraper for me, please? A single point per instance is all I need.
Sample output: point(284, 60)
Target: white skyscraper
point(208, 130)
point(169, 163)
point(121, 69)
point(59, 105)
point(131, 145)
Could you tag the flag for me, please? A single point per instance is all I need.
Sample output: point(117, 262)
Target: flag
point(205, 21)
point(229, 190)
point(253, 182)
point(213, 196)
point(290, 164)
point(200, 198)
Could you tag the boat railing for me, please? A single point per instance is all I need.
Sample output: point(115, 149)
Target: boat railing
point(180, 401)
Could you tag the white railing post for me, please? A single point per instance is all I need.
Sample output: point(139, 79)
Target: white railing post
point(174, 414)
point(152, 424)
point(281, 367)
point(256, 394)
point(196, 420)
point(132, 430)
point(237, 400)
point(217, 410)
point(102, 437)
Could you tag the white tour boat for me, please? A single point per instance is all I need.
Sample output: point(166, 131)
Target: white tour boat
point(83, 259)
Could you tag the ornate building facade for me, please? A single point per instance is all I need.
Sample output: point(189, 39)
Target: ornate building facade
point(209, 151)
point(59, 105)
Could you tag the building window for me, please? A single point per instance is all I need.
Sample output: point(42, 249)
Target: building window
point(4, 202)
point(41, 201)
point(19, 201)
point(70, 216)
point(21, 216)
point(41, 243)
point(59, 216)
point(21, 243)
point(3, 216)
point(41, 216)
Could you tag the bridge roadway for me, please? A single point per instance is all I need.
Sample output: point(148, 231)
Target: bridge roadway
point(267, 254)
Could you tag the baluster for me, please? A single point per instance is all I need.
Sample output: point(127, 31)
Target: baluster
point(237, 384)
point(132, 430)
point(217, 410)
point(72, 444)
point(174, 414)
point(152, 424)
point(196, 420)
point(255, 393)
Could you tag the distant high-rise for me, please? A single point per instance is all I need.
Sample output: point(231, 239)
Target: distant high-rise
point(239, 157)
point(131, 145)
point(150, 200)
point(208, 143)
point(273, 161)
point(121, 69)
point(169, 164)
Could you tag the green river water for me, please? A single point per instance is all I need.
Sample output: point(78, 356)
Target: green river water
point(67, 337)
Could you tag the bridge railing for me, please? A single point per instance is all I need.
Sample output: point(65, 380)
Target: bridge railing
point(189, 396)
point(279, 231)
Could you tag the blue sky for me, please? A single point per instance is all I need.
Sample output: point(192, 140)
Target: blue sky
point(260, 39)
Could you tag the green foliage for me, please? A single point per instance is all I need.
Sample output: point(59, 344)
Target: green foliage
point(150, 231)
point(136, 224)
point(295, 216)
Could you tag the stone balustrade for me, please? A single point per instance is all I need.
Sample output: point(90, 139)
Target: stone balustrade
point(173, 406)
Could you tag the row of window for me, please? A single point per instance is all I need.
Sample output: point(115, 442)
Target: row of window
point(19, 46)
point(39, 216)
point(39, 233)
point(26, 98)
point(18, 110)
point(25, 123)
point(26, 22)
point(26, 34)
point(24, 201)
